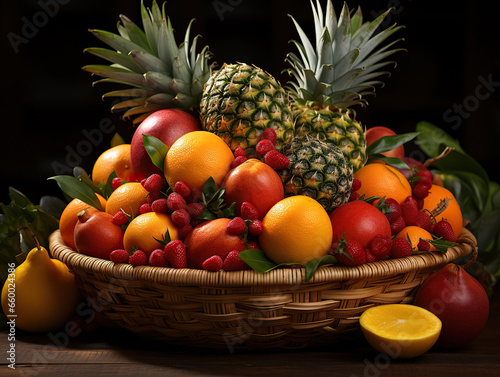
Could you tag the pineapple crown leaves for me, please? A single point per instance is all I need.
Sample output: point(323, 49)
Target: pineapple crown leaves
point(344, 65)
point(160, 73)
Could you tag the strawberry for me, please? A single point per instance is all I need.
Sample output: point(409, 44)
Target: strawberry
point(157, 258)
point(392, 209)
point(356, 184)
point(370, 257)
point(175, 253)
point(195, 209)
point(264, 146)
point(398, 225)
point(214, 263)
point(180, 218)
point(182, 188)
point(253, 245)
point(424, 177)
point(239, 152)
point(152, 196)
point(145, 208)
point(276, 160)
point(237, 161)
point(119, 256)
point(236, 226)
point(248, 211)
point(424, 221)
point(233, 262)
point(401, 248)
point(380, 246)
point(354, 196)
point(421, 190)
point(350, 253)
point(409, 211)
point(444, 230)
point(116, 182)
point(119, 218)
point(269, 134)
point(255, 227)
point(160, 206)
point(153, 183)
point(138, 258)
point(175, 201)
point(184, 231)
point(423, 245)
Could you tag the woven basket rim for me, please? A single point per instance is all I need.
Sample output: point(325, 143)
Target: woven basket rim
point(467, 244)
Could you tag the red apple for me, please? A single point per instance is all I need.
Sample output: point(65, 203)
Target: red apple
point(167, 125)
point(375, 133)
point(459, 301)
point(255, 182)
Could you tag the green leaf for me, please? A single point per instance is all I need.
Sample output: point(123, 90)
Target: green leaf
point(83, 176)
point(209, 188)
point(108, 188)
point(258, 261)
point(431, 138)
point(314, 264)
point(387, 143)
point(441, 244)
point(157, 150)
point(478, 189)
point(457, 161)
point(75, 188)
point(393, 161)
point(117, 140)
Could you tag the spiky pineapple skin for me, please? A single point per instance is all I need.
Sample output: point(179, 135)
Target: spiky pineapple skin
point(335, 126)
point(240, 101)
point(319, 170)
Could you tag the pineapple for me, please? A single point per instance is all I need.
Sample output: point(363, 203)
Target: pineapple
point(240, 101)
point(319, 170)
point(160, 74)
point(335, 75)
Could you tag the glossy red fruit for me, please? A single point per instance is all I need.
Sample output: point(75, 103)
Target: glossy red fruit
point(360, 221)
point(375, 133)
point(460, 302)
point(167, 125)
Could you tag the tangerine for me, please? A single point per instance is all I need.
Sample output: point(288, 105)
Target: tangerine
point(195, 157)
point(443, 205)
point(113, 159)
point(296, 230)
point(69, 218)
point(381, 180)
point(129, 197)
point(142, 231)
point(414, 234)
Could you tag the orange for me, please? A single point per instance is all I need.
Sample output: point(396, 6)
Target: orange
point(195, 157)
point(443, 205)
point(113, 159)
point(381, 180)
point(68, 219)
point(400, 330)
point(129, 197)
point(296, 229)
point(142, 231)
point(414, 234)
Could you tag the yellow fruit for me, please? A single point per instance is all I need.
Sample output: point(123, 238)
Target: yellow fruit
point(142, 231)
point(400, 330)
point(296, 229)
point(129, 197)
point(414, 234)
point(113, 159)
point(195, 157)
point(42, 292)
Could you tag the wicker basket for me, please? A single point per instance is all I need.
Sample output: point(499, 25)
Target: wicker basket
point(245, 309)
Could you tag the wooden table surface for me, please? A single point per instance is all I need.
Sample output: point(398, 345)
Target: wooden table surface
point(115, 351)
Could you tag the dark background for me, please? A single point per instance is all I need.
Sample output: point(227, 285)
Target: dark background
point(48, 101)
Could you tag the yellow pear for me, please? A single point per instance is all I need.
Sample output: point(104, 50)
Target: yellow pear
point(43, 293)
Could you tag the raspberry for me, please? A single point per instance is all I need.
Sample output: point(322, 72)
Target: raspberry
point(116, 182)
point(214, 263)
point(153, 183)
point(182, 188)
point(444, 230)
point(232, 262)
point(145, 208)
point(276, 160)
point(269, 134)
point(160, 206)
point(398, 225)
point(184, 231)
point(255, 227)
point(401, 248)
point(239, 152)
point(354, 196)
point(157, 258)
point(380, 246)
point(180, 218)
point(119, 256)
point(119, 218)
point(175, 201)
point(264, 146)
point(195, 209)
point(152, 196)
point(352, 249)
point(175, 253)
point(409, 211)
point(237, 161)
point(423, 245)
point(421, 190)
point(356, 184)
point(424, 221)
point(139, 258)
point(393, 211)
point(248, 211)
point(236, 226)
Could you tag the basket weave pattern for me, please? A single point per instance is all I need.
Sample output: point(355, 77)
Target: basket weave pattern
point(245, 309)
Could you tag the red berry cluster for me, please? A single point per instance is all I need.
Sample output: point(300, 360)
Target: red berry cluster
point(356, 185)
point(266, 150)
point(421, 183)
